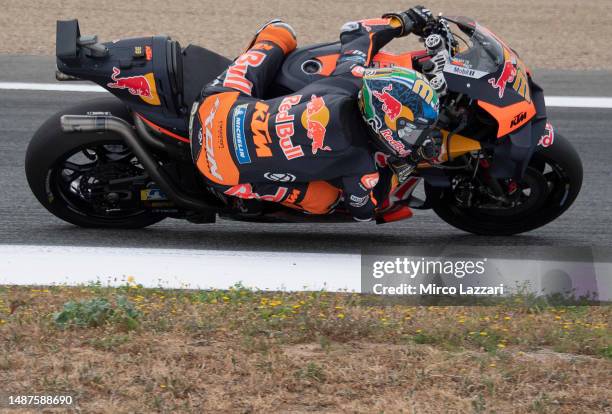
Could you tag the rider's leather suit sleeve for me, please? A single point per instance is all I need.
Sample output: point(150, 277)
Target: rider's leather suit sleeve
point(251, 73)
point(362, 40)
point(241, 141)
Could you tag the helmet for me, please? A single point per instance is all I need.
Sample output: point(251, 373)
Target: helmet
point(400, 106)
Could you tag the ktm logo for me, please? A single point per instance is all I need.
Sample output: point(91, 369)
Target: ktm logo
point(210, 151)
point(518, 119)
point(259, 127)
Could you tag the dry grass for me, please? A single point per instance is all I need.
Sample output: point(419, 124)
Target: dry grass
point(562, 34)
point(245, 351)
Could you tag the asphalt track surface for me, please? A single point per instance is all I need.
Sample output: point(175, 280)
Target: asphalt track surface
point(23, 221)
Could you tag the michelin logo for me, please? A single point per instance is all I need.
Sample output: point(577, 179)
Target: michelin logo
point(240, 146)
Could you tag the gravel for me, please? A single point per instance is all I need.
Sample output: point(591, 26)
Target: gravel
point(566, 35)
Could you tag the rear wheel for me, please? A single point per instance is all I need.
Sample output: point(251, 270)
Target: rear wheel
point(85, 178)
point(550, 185)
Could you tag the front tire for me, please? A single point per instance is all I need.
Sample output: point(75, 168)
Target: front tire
point(49, 150)
point(555, 174)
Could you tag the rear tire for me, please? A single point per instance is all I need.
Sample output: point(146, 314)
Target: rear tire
point(561, 169)
point(50, 145)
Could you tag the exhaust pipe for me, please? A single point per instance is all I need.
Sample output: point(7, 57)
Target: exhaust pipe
point(102, 123)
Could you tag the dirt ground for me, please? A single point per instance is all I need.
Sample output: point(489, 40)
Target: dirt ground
point(565, 34)
point(132, 350)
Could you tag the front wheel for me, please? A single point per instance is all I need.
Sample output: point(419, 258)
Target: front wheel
point(550, 185)
point(70, 174)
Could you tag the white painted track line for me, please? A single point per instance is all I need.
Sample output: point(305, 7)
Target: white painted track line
point(551, 101)
point(579, 102)
point(174, 268)
point(59, 87)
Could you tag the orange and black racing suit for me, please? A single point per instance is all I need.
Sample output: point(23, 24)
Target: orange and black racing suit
point(304, 150)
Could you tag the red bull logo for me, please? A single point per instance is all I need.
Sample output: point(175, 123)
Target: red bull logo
point(391, 106)
point(549, 137)
point(142, 86)
point(136, 85)
point(245, 191)
point(507, 75)
point(315, 119)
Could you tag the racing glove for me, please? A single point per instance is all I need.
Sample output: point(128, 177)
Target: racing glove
point(417, 20)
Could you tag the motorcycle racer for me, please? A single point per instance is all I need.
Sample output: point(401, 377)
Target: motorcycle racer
point(309, 149)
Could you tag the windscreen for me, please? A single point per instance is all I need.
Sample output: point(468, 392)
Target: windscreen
point(478, 49)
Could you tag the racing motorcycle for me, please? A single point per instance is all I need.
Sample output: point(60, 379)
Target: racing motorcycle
point(501, 167)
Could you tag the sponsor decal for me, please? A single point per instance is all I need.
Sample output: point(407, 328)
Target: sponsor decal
point(398, 146)
point(355, 52)
point(357, 202)
point(549, 137)
point(461, 62)
point(235, 76)
point(518, 119)
point(369, 181)
point(285, 128)
point(315, 119)
point(368, 23)
point(381, 159)
point(210, 152)
point(356, 56)
point(148, 52)
point(295, 194)
point(508, 74)
point(280, 177)
point(259, 128)
point(359, 71)
point(521, 82)
point(246, 191)
point(463, 71)
point(240, 146)
point(153, 194)
point(391, 106)
point(142, 86)
point(262, 46)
